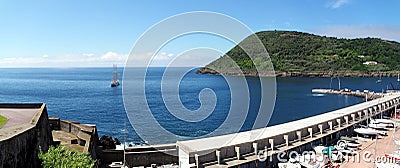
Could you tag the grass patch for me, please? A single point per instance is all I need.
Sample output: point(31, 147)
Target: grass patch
point(3, 120)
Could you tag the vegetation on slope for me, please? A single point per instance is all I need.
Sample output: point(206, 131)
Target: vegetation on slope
point(62, 156)
point(296, 51)
point(3, 120)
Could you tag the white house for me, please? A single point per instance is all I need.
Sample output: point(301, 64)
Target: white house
point(370, 63)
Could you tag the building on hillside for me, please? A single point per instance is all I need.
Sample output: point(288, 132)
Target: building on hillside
point(370, 63)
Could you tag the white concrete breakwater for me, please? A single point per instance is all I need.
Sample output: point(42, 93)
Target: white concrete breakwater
point(241, 149)
point(363, 94)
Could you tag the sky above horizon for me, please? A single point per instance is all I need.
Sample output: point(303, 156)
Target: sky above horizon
point(72, 33)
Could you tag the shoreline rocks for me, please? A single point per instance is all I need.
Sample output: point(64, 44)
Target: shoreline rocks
point(320, 74)
point(108, 142)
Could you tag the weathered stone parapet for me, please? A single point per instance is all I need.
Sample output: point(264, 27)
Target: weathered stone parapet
point(21, 144)
point(86, 135)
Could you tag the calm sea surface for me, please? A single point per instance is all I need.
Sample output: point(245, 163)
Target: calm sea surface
point(85, 95)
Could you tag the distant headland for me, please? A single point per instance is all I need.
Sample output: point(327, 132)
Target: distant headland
point(303, 54)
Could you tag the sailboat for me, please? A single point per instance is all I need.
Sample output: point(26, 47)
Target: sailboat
point(115, 81)
point(398, 78)
point(380, 123)
point(310, 160)
point(366, 131)
point(292, 163)
point(380, 79)
point(330, 85)
point(369, 130)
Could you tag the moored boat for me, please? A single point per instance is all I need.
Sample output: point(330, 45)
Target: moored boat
point(292, 163)
point(318, 149)
point(333, 154)
point(366, 131)
point(348, 139)
point(353, 145)
point(347, 147)
point(117, 164)
point(115, 81)
point(378, 125)
point(310, 160)
point(347, 144)
point(384, 121)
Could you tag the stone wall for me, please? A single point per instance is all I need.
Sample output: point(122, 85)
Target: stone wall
point(142, 156)
point(22, 143)
point(86, 134)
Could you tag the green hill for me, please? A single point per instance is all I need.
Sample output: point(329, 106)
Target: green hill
point(311, 54)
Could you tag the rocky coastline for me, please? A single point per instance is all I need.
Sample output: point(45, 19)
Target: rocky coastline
point(321, 74)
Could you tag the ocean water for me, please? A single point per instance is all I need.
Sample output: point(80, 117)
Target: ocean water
point(85, 95)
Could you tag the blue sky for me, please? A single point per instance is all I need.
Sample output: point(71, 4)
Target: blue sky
point(72, 33)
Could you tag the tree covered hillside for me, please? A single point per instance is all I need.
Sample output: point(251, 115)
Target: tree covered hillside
point(296, 51)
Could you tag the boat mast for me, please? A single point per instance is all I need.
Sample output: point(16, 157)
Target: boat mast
point(366, 100)
point(124, 142)
point(115, 72)
point(398, 79)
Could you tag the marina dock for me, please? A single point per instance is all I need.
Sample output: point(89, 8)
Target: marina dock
point(242, 149)
point(364, 94)
point(376, 147)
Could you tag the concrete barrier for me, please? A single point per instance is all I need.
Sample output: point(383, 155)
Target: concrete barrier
point(142, 155)
point(21, 144)
point(86, 134)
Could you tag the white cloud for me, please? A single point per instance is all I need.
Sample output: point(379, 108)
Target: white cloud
point(68, 60)
point(164, 56)
point(337, 4)
point(45, 56)
point(186, 59)
point(89, 55)
point(15, 61)
point(350, 31)
point(190, 58)
point(111, 56)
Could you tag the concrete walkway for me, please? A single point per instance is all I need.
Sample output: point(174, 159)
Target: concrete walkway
point(384, 144)
point(17, 116)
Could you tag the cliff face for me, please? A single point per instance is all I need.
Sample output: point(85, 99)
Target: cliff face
point(303, 54)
